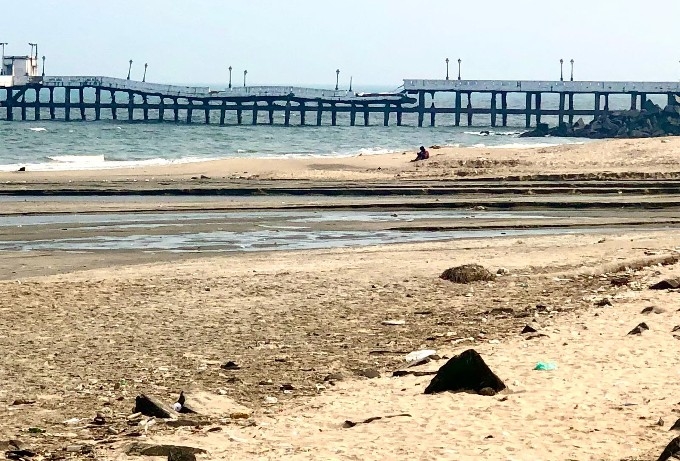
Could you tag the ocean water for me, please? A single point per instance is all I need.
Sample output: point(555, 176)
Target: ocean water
point(81, 145)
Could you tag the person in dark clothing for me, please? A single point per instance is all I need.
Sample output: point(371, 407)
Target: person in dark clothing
point(423, 154)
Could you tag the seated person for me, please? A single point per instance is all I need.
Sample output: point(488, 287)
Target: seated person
point(422, 154)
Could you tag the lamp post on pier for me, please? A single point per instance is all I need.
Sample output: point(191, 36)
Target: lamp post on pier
point(337, 79)
point(245, 72)
point(459, 62)
point(561, 70)
point(43, 72)
point(447, 68)
point(34, 57)
point(230, 69)
point(572, 70)
point(145, 67)
point(129, 69)
point(2, 63)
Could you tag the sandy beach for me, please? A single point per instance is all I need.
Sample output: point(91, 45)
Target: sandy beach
point(84, 333)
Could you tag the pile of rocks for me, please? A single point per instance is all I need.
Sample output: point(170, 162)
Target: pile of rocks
point(651, 121)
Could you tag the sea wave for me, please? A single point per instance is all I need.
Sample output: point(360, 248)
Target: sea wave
point(38, 129)
point(493, 133)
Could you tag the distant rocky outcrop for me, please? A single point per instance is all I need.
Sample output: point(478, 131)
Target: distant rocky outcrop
point(651, 121)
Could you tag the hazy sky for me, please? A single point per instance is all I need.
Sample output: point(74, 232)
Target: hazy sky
point(375, 41)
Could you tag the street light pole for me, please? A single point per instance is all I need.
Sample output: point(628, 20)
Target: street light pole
point(43, 72)
point(459, 61)
point(129, 69)
point(447, 68)
point(34, 57)
point(337, 79)
point(2, 63)
point(572, 70)
point(230, 77)
point(561, 70)
point(145, 66)
point(245, 72)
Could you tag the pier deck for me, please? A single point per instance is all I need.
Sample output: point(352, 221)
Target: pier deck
point(96, 98)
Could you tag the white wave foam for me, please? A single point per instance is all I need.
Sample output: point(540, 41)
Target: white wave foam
point(96, 162)
point(520, 145)
point(38, 129)
point(492, 133)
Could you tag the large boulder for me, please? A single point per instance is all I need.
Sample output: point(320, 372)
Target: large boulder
point(466, 372)
point(467, 273)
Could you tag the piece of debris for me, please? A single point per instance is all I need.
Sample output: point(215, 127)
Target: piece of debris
point(528, 329)
point(146, 449)
point(150, 406)
point(603, 302)
point(348, 424)
point(671, 450)
point(667, 284)
point(99, 420)
point(287, 387)
point(18, 402)
point(465, 372)
point(502, 271)
point(419, 357)
point(536, 336)
point(500, 311)
point(394, 322)
point(545, 366)
point(660, 422)
point(620, 280)
point(230, 365)
point(638, 329)
point(333, 377)
point(467, 273)
point(19, 454)
point(400, 373)
point(370, 373)
point(653, 310)
point(675, 328)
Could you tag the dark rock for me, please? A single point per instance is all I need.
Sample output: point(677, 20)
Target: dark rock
point(287, 387)
point(653, 310)
point(465, 372)
point(528, 329)
point(467, 273)
point(19, 454)
point(638, 329)
point(671, 450)
point(667, 284)
point(675, 328)
point(369, 373)
point(150, 406)
point(676, 426)
point(180, 455)
point(603, 302)
point(146, 449)
point(23, 168)
point(501, 311)
point(487, 391)
point(536, 336)
point(230, 366)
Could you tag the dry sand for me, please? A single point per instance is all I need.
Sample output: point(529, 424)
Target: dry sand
point(89, 340)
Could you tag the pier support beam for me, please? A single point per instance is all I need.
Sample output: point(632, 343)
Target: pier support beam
point(353, 115)
point(538, 108)
point(633, 101)
point(598, 105)
point(504, 107)
point(114, 114)
point(386, 115)
point(606, 103)
point(81, 103)
point(469, 108)
point(206, 110)
point(239, 113)
point(433, 113)
point(319, 113)
point(131, 106)
point(560, 116)
point(223, 112)
point(10, 105)
point(286, 114)
point(255, 112)
point(421, 108)
point(97, 104)
point(67, 104)
point(271, 112)
point(303, 114)
point(175, 109)
point(145, 107)
point(527, 110)
point(23, 106)
point(52, 108)
point(493, 109)
point(571, 109)
point(161, 110)
point(190, 111)
point(36, 113)
point(458, 108)
point(400, 112)
point(366, 115)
